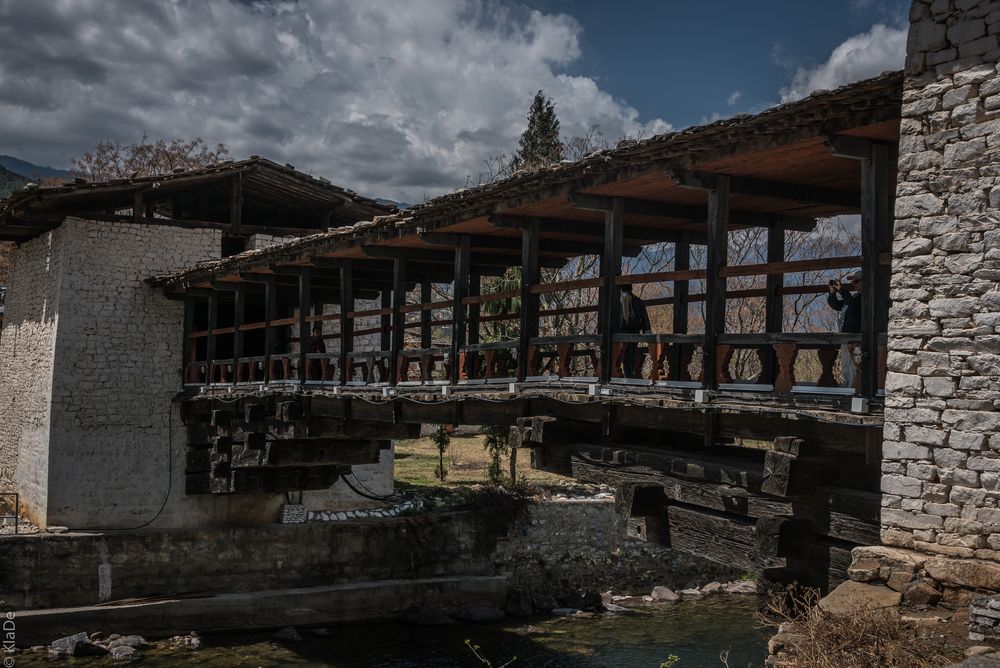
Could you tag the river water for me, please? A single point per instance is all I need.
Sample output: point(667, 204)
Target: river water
point(696, 631)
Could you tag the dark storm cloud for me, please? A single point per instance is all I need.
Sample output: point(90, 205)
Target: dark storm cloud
point(398, 99)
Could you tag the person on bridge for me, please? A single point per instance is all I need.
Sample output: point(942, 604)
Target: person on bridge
point(845, 296)
point(634, 320)
point(316, 344)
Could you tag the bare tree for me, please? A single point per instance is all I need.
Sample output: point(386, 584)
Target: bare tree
point(111, 160)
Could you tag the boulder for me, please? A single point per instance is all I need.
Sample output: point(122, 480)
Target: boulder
point(544, 604)
point(575, 599)
point(518, 604)
point(592, 601)
point(965, 573)
point(565, 612)
point(617, 609)
point(850, 597)
point(662, 594)
point(694, 591)
point(921, 593)
point(712, 587)
point(76, 645)
point(742, 587)
point(288, 634)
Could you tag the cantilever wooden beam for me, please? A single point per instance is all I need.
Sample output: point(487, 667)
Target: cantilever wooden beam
point(648, 235)
point(692, 212)
point(551, 246)
point(746, 185)
point(446, 257)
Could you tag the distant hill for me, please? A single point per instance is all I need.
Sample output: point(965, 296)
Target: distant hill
point(392, 202)
point(32, 171)
point(9, 182)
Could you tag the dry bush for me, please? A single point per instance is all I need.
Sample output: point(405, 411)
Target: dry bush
point(864, 639)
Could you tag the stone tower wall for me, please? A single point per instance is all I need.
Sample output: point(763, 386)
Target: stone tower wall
point(941, 455)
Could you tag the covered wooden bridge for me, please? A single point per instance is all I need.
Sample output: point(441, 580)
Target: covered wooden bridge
point(414, 318)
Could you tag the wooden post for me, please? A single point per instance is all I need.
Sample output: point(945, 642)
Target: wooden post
point(715, 285)
point(188, 343)
point(305, 308)
point(875, 217)
point(773, 301)
point(426, 335)
point(398, 316)
point(270, 308)
point(236, 204)
point(472, 360)
point(529, 302)
point(346, 324)
point(682, 262)
point(137, 207)
point(610, 297)
point(213, 311)
point(239, 315)
point(385, 320)
point(457, 308)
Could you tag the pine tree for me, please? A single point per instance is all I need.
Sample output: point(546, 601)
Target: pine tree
point(540, 144)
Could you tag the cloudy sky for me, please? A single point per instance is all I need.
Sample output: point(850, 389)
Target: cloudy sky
point(405, 99)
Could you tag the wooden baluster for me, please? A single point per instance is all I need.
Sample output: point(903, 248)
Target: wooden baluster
point(565, 351)
point(617, 349)
point(686, 357)
point(490, 356)
point(348, 369)
point(765, 356)
point(534, 361)
point(827, 359)
point(786, 352)
point(723, 357)
point(324, 365)
point(656, 357)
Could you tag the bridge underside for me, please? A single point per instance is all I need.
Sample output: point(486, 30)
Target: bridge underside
point(779, 489)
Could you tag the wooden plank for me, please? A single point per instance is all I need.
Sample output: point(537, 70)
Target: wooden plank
point(715, 287)
point(579, 284)
point(874, 216)
point(491, 297)
point(634, 233)
point(239, 315)
point(213, 314)
point(718, 537)
point(529, 300)
point(187, 355)
point(791, 266)
point(660, 276)
point(610, 296)
point(848, 514)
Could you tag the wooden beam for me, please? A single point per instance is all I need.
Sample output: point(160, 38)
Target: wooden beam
point(444, 257)
point(847, 146)
point(795, 192)
point(346, 324)
point(475, 309)
point(875, 215)
point(610, 296)
point(561, 247)
point(461, 282)
point(137, 207)
point(692, 212)
point(529, 301)
point(682, 262)
point(188, 343)
point(634, 233)
point(715, 285)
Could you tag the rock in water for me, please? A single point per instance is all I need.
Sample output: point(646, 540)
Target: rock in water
point(288, 633)
point(565, 612)
point(76, 645)
point(124, 653)
point(661, 594)
point(137, 642)
point(613, 607)
point(742, 587)
point(712, 587)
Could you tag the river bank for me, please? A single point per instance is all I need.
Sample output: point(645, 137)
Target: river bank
point(694, 629)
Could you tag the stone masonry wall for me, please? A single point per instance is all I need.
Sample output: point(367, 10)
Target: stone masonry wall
point(941, 454)
point(27, 345)
point(117, 369)
point(580, 544)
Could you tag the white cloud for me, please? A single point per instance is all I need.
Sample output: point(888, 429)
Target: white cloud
point(866, 55)
point(396, 99)
point(734, 97)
